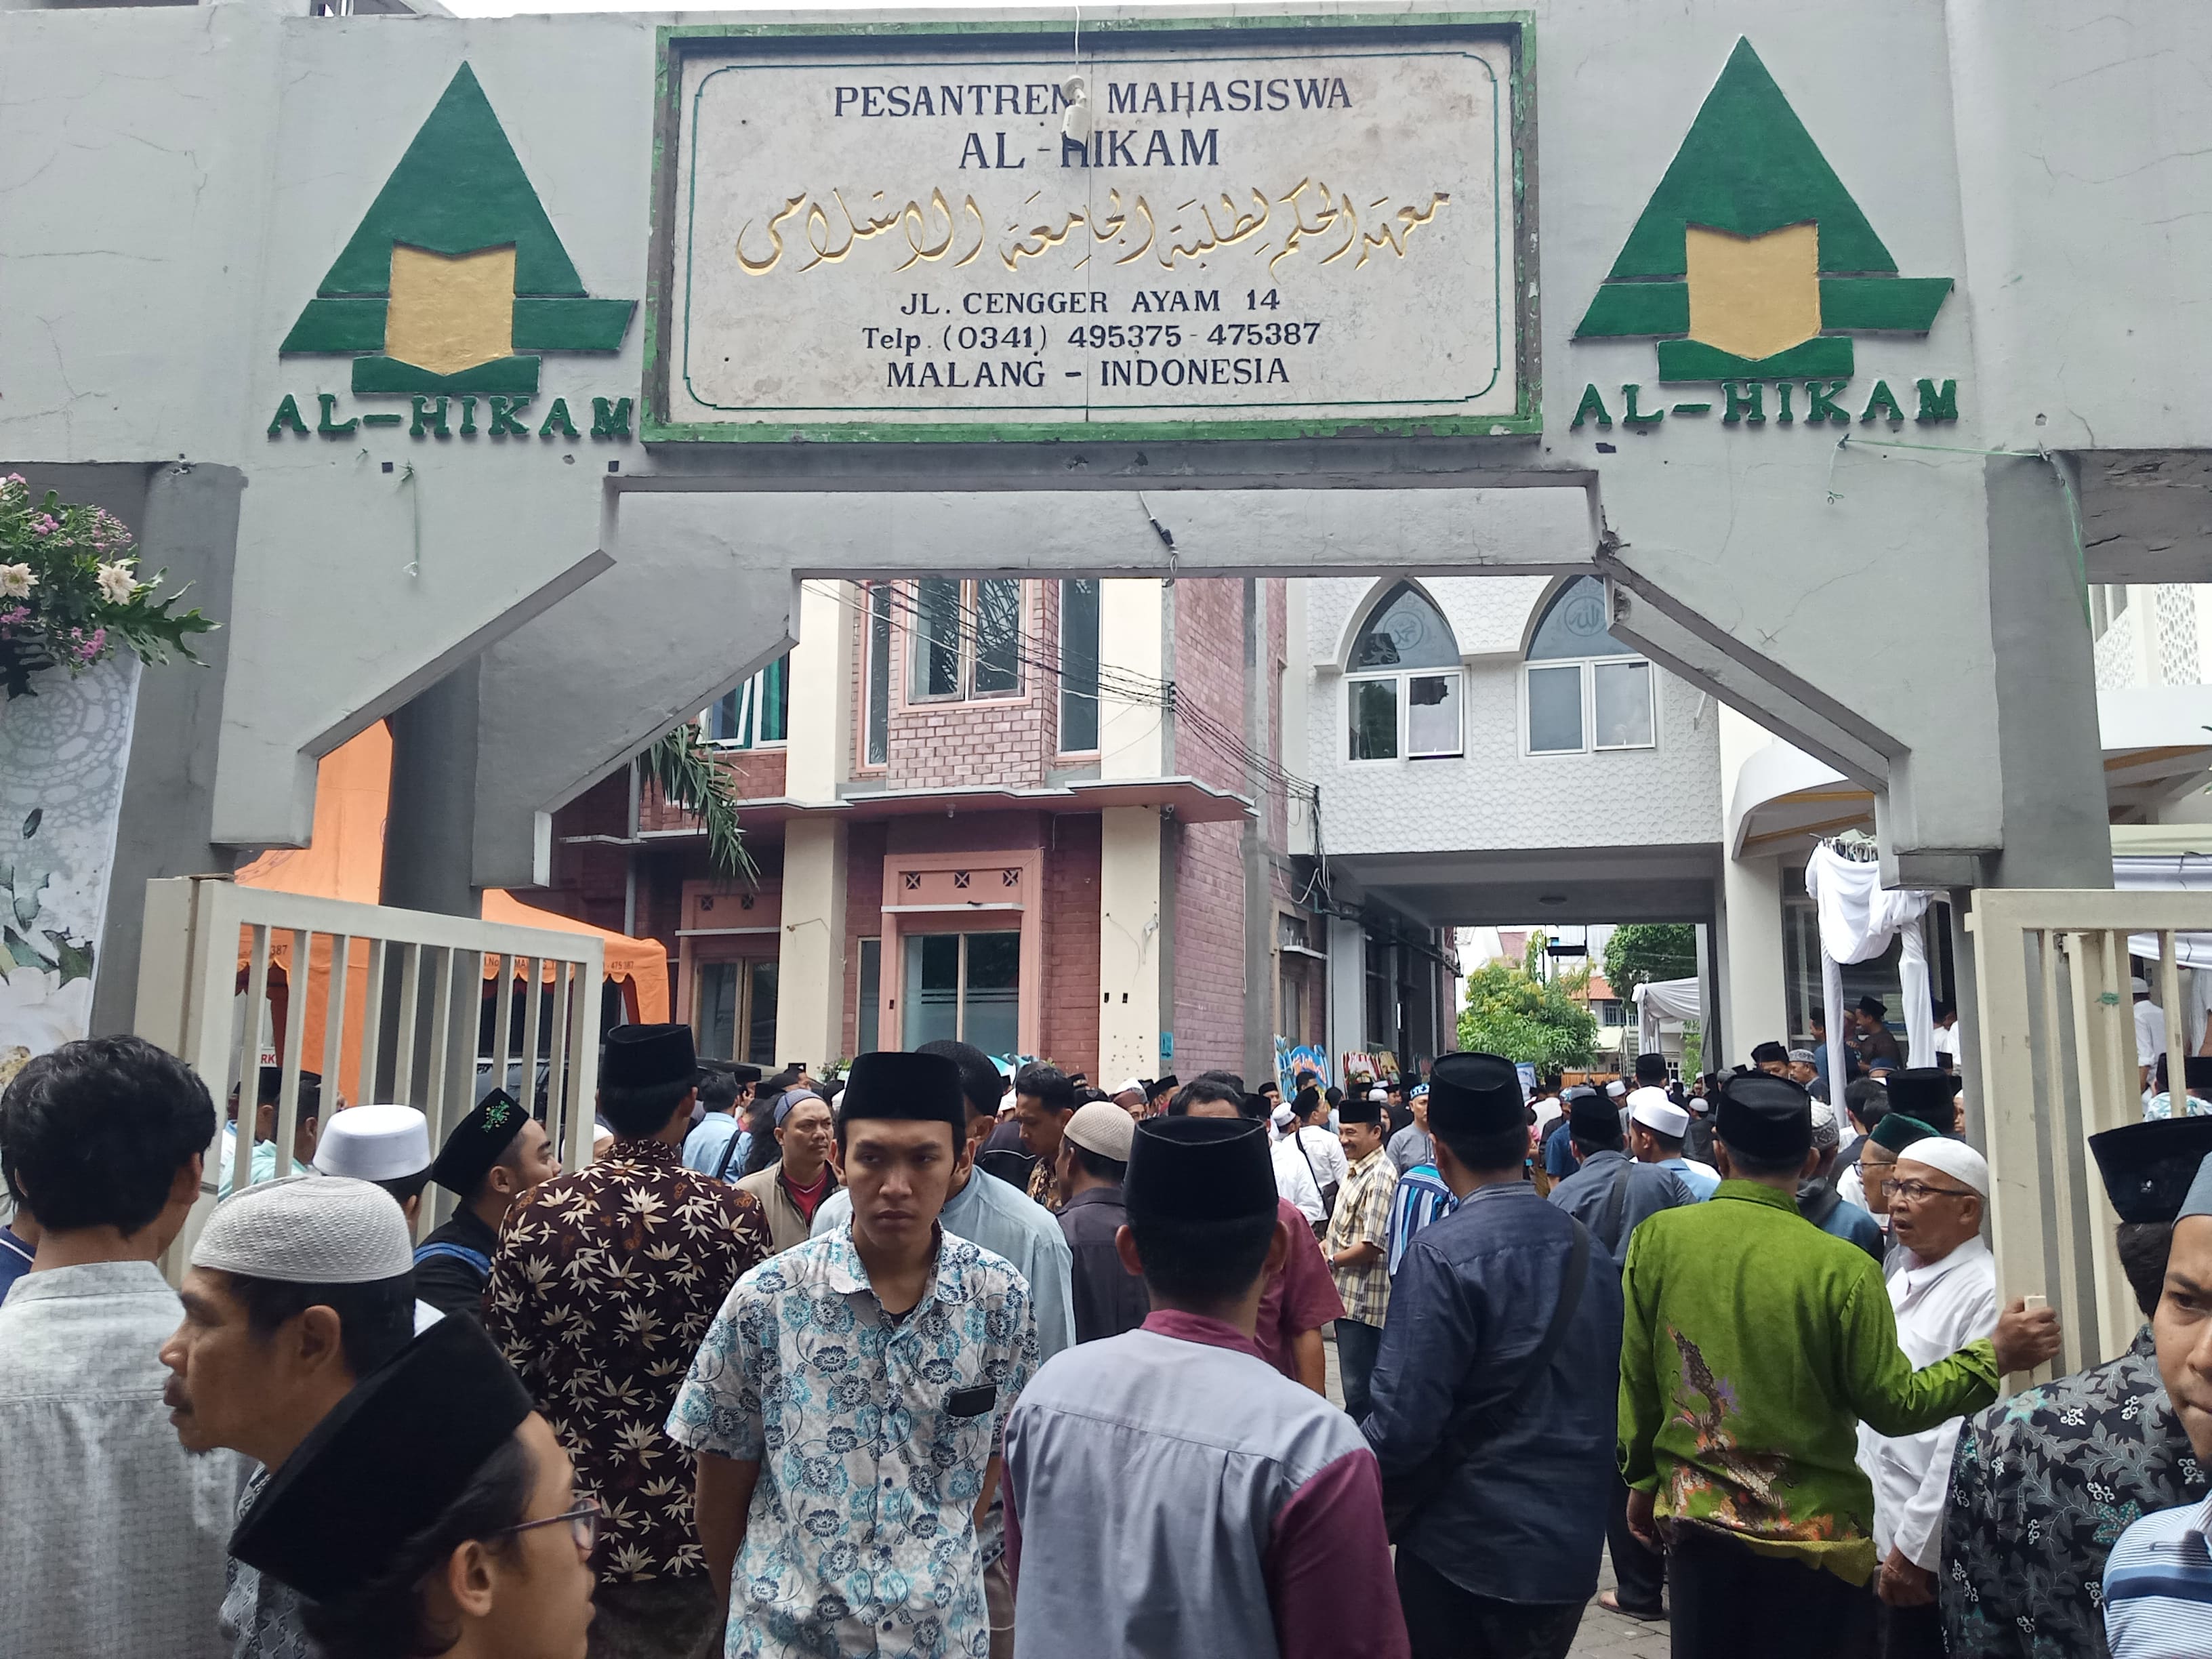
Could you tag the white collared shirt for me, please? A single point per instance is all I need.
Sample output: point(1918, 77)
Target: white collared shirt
point(1941, 1306)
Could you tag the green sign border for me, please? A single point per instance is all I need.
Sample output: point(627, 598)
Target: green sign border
point(664, 288)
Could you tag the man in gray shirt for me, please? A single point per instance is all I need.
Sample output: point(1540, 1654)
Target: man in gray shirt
point(115, 1536)
point(1412, 1145)
point(1611, 1193)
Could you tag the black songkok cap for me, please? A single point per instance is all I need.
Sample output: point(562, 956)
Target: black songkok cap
point(889, 1084)
point(1158, 1086)
point(477, 1143)
point(2148, 1166)
point(1199, 1169)
point(647, 1057)
point(1358, 1109)
point(1592, 1114)
point(1475, 1095)
point(1923, 1091)
point(1766, 1053)
point(2196, 1073)
point(1872, 1008)
point(384, 1464)
point(1765, 1117)
point(1652, 1067)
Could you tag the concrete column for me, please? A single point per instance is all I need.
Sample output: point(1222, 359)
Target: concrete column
point(1754, 1004)
point(810, 980)
point(1133, 737)
point(2056, 832)
point(1258, 849)
point(1133, 956)
point(1347, 992)
point(429, 825)
point(818, 759)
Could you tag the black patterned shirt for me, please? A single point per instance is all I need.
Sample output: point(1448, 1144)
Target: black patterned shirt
point(603, 1284)
point(2042, 1487)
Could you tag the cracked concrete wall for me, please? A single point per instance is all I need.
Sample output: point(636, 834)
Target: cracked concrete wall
point(176, 182)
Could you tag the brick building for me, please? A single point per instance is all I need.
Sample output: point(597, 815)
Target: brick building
point(1048, 816)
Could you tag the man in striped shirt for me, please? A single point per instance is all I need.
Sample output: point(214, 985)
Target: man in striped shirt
point(1421, 1197)
point(2158, 1585)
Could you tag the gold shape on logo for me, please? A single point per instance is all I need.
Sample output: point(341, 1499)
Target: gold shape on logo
point(450, 313)
point(1751, 296)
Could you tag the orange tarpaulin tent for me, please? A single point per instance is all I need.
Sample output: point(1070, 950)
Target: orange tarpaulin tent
point(345, 860)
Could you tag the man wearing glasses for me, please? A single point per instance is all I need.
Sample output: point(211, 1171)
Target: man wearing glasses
point(1944, 1289)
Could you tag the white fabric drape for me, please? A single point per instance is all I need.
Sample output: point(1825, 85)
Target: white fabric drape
point(1858, 917)
point(1664, 999)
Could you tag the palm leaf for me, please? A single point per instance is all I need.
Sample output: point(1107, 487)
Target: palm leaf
point(690, 782)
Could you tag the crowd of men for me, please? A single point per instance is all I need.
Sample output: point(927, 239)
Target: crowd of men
point(921, 1362)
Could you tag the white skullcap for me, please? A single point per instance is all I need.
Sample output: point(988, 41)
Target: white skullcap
point(1378, 1092)
point(1954, 1158)
point(1134, 1086)
point(1616, 1089)
point(375, 1143)
point(1651, 1108)
point(1284, 1116)
point(1101, 1127)
point(2139, 985)
point(307, 1230)
point(1826, 1134)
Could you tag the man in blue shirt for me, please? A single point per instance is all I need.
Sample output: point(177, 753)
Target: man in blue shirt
point(1501, 1560)
point(716, 1145)
point(1421, 1197)
point(1656, 1129)
point(2158, 1586)
point(1609, 1193)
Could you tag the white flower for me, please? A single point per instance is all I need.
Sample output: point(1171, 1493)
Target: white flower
point(116, 582)
point(16, 581)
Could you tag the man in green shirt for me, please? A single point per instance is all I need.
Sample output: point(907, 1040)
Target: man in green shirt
point(1752, 1346)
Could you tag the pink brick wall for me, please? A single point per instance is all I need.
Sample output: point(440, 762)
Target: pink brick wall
point(981, 740)
point(1071, 944)
point(1209, 677)
point(1209, 949)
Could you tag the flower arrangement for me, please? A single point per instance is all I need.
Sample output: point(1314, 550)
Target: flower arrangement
point(70, 593)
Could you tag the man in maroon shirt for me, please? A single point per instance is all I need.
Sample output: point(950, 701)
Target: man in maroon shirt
point(1300, 1296)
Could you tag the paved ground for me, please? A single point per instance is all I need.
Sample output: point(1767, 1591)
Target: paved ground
point(1603, 1635)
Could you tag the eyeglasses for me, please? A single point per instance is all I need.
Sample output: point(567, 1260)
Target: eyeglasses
point(583, 1525)
point(1916, 1191)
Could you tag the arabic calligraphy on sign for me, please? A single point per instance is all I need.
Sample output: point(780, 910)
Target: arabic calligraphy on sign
point(1311, 218)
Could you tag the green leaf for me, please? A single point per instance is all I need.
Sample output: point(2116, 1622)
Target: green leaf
point(691, 780)
point(25, 953)
point(76, 959)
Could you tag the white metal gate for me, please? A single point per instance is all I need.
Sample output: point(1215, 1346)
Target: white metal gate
point(2058, 1064)
point(394, 987)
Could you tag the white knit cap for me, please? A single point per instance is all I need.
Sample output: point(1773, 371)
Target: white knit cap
point(1101, 1127)
point(1283, 1117)
point(1826, 1132)
point(1134, 1086)
point(1651, 1108)
point(375, 1143)
point(1378, 1092)
point(1954, 1158)
point(307, 1230)
point(1616, 1089)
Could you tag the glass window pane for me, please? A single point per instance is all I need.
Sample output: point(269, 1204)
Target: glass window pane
point(998, 635)
point(872, 995)
point(1623, 698)
point(773, 699)
point(991, 1015)
point(1405, 631)
point(1078, 666)
point(760, 1013)
point(1575, 625)
point(1555, 710)
point(937, 637)
point(879, 673)
point(724, 719)
point(931, 989)
point(1432, 714)
point(1374, 719)
point(714, 1014)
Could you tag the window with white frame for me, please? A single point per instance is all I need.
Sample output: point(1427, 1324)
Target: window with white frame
point(756, 714)
point(1403, 688)
point(1078, 666)
point(880, 600)
point(1583, 689)
point(967, 639)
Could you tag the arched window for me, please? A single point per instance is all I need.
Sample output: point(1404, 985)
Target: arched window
point(1403, 686)
point(1583, 688)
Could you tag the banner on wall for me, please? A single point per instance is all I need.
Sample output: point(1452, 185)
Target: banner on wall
point(62, 756)
point(1291, 1059)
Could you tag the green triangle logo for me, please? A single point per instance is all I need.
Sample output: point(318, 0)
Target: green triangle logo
point(455, 275)
point(1751, 260)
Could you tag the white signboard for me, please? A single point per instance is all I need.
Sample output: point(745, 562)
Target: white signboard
point(1263, 233)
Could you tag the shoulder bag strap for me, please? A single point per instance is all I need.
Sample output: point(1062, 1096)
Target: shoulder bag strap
point(729, 1151)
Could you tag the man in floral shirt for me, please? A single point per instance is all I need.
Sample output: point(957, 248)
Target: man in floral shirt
point(849, 1404)
point(604, 1282)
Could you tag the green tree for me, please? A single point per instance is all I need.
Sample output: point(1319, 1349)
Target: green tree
point(1647, 951)
point(1512, 1012)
